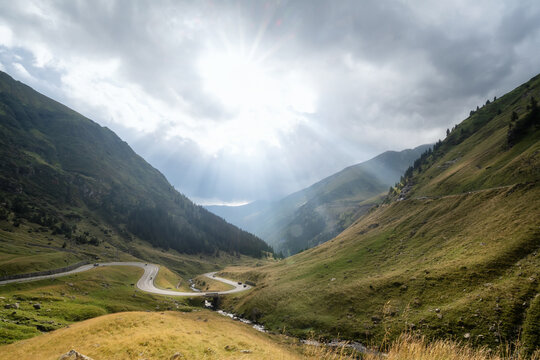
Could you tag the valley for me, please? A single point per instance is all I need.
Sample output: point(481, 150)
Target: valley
point(318, 213)
point(434, 257)
point(269, 180)
point(145, 283)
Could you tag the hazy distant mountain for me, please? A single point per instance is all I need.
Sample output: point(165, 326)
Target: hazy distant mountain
point(318, 213)
point(74, 177)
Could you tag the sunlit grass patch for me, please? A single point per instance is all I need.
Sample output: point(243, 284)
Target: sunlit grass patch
point(63, 301)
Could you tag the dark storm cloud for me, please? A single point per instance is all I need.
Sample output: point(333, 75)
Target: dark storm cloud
point(387, 75)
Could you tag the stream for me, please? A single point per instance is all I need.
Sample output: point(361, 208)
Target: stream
point(333, 343)
point(257, 327)
point(192, 286)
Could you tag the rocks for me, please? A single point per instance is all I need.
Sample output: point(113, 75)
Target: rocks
point(439, 316)
point(74, 355)
point(209, 351)
point(437, 310)
point(177, 356)
point(11, 306)
point(245, 351)
point(467, 335)
point(333, 279)
point(37, 306)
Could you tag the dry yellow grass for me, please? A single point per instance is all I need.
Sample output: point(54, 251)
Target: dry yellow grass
point(207, 284)
point(408, 347)
point(207, 335)
point(166, 279)
point(141, 335)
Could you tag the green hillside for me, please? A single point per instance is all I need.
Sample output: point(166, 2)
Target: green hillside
point(72, 190)
point(318, 213)
point(452, 253)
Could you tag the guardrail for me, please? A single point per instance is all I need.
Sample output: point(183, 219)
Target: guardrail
point(45, 272)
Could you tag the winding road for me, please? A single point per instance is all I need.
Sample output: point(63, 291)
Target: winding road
point(146, 282)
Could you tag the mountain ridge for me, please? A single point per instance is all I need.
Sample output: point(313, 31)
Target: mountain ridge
point(322, 210)
point(64, 171)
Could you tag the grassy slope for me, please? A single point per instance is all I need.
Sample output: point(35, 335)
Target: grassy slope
point(117, 295)
point(78, 179)
point(74, 298)
point(134, 335)
point(166, 279)
point(472, 256)
point(206, 284)
point(28, 248)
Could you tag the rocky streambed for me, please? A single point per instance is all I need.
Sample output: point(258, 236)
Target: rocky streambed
point(333, 343)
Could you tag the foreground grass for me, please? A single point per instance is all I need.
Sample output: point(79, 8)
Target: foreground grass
point(74, 298)
point(409, 347)
point(133, 335)
point(203, 334)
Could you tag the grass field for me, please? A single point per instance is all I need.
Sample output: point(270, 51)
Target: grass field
point(29, 248)
point(207, 284)
point(200, 334)
point(166, 279)
point(70, 299)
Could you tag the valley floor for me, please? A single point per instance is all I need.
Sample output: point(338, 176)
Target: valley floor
point(146, 281)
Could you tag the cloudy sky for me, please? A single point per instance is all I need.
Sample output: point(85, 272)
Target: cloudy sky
point(241, 100)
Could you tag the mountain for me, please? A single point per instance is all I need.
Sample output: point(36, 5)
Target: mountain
point(318, 213)
point(74, 178)
point(453, 252)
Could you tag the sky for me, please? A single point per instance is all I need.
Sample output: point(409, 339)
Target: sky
point(236, 101)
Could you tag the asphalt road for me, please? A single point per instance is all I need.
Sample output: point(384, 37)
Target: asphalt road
point(146, 282)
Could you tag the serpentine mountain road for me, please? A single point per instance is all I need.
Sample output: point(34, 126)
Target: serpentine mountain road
point(146, 282)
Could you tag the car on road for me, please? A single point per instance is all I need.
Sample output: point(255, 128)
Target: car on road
point(96, 264)
point(245, 285)
point(239, 283)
